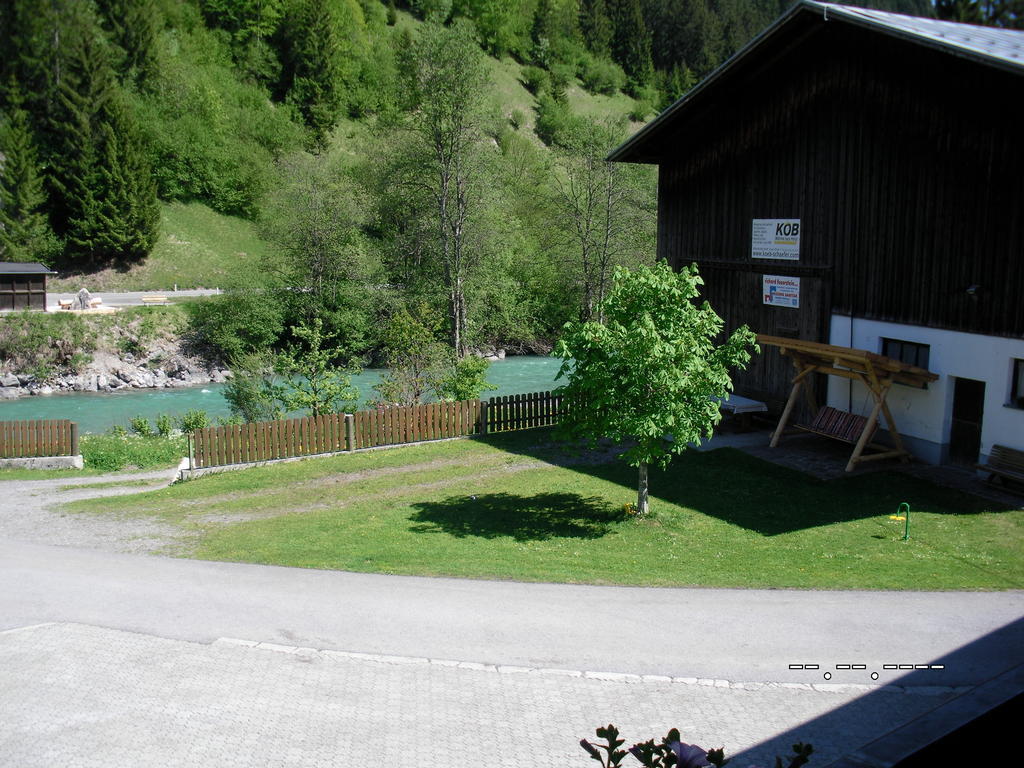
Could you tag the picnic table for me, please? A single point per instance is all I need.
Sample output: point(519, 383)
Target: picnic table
point(743, 408)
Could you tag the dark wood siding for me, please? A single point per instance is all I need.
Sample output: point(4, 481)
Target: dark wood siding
point(22, 292)
point(904, 165)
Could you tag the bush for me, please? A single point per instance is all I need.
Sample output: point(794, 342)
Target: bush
point(45, 344)
point(164, 425)
point(561, 77)
point(467, 380)
point(600, 75)
point(536, 80)
point(237, 324)
point(555, 122)
point(140, 426)
point(115, 452)
point(192, 420)
point(517, 119)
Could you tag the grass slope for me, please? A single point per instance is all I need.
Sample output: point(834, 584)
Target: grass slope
point(517, 507)
point(197, 248)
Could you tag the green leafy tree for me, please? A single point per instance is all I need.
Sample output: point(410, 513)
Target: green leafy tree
point(314, 380)
point(415, 360)
point(649, 376)
point(467, 380)
point(24, 232)
point(244, 19)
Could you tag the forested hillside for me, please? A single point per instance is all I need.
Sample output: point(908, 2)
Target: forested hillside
point(425, 174)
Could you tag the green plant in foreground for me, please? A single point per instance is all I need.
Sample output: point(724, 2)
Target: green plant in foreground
point(140, 426)
point(115, 452)
point(164, 425)
point(193, 419)
point(672, 752)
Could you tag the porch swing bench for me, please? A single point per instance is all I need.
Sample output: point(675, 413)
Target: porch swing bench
point(839, 425)
point(876, 372)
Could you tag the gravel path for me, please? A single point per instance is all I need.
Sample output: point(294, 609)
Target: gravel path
point(31, 511)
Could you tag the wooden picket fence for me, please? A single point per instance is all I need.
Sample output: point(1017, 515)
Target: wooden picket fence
point(538, 409)
point(411, 424)
point(29, 439)
point(267, 440)
point(264, 441)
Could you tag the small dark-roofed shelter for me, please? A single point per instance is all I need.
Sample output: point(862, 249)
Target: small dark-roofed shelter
point(23, 286)
point(897, 145)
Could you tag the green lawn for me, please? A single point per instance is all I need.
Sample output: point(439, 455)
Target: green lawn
point(517, 507)
point(197, 248)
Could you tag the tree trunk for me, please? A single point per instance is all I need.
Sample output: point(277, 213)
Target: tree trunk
point(642, 507)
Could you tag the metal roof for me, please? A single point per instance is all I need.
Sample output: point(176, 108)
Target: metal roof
point(1002, 48)
point(991, 44)
point(24, 268)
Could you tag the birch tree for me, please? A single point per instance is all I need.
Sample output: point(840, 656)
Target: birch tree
point(446, 80)
point(605, 211)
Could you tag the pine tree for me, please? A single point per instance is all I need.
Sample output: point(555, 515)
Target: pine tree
point(103, 193)
point(24, 232)
point(313, 69)
point(631, 42)
point(542, 32)
point(131, 27)
point(596, 27)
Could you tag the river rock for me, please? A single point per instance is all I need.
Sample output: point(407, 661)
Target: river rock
point(10, 393)
point(9, 380)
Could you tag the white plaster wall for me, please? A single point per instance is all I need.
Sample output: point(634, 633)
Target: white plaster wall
point(926, 414)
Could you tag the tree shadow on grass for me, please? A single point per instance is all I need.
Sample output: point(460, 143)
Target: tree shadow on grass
point(524, 518)
point(754, 494)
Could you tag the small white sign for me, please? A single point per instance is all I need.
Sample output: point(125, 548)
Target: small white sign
point(780, 291)
point(775, 239)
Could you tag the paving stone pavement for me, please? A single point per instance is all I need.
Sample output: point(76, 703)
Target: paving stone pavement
point(78, 695)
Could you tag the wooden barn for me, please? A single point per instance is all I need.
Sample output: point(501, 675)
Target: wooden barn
point(23, 286)
point(856, 177)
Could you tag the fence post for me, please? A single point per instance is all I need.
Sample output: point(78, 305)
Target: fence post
point(74, 438)
point(191, 451)
point(483, 417)
point(349, 431)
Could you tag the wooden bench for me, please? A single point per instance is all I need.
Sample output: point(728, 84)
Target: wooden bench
point(154, 299)
point(839, 425)
point(1005, 463)
point(65, 303)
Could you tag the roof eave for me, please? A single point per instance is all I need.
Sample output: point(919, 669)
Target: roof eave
point(625, 152)
point(630, 150)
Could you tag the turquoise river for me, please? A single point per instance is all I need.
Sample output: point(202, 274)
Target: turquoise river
point(99, 411)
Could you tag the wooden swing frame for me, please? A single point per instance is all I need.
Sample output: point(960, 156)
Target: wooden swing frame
point(876, 372)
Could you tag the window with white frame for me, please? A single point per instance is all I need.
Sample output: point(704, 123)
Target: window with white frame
point(1017, 385)
point(908, 352)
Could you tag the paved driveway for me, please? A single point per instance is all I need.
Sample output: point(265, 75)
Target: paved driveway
point(149, 660)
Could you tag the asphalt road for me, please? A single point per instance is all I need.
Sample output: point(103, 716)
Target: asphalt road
point(736, 635)
point(127, 299)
